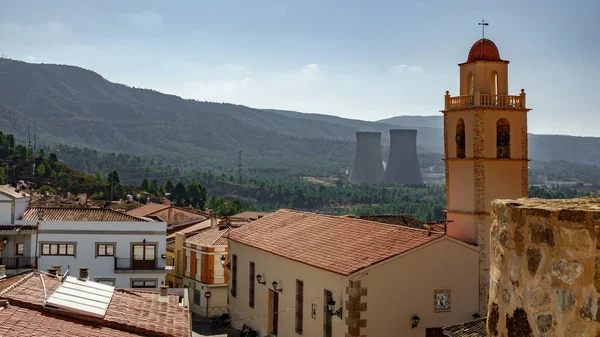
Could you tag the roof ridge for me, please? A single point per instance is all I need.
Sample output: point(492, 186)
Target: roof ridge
point(383, 224)
point(16, 284)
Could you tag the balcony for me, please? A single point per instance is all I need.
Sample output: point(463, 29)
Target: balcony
point(485, 101)
point(130, 264)
point(17, 262)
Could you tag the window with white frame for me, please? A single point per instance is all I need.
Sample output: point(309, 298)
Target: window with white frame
point(107, 281)
point(63, 249)
point(20, 248)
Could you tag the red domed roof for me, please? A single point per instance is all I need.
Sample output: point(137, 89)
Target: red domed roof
point(484, 50)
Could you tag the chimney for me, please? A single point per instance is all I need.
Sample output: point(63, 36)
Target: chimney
point(163, 295)
point(403, 163)
point(214, 222)
point(58, 269)
point(52, 270)
point(83, 273)
point(2, 271)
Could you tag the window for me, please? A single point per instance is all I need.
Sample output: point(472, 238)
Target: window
point(107, 281)
point(494, 81)
point(470, 83)
point(234, 276)
point(460, 138)
point(326, 314)
point(105, 249)
point(143, 283)
point(144, 256)
point(188, 264)
point(503, 138)
point(251, 286)
point(299, 305)
point(197, 296)
point(20, 248)
point(66, 249)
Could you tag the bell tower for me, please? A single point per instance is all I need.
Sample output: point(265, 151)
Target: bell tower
point(485, 150)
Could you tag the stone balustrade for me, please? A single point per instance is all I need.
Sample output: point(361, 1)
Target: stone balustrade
point(545, 268)
point(485, 100)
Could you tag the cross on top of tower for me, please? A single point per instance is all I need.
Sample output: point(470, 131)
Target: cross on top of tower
point(483, 24)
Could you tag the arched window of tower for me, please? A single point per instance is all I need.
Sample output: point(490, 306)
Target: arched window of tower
point(503, 138)
point(460, 138)
point(470, 83)
point(494, 86)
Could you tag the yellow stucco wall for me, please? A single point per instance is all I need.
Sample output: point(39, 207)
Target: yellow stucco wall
point(285, 272)
point(397, 289)
point(405, 287)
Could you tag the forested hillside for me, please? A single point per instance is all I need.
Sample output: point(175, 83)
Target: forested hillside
point(77, 107)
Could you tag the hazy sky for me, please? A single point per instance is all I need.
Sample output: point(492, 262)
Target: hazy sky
point(358, 59)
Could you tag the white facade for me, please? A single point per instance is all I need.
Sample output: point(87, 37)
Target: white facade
point(85, 236)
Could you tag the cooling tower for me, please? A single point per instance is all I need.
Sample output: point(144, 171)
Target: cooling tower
point(368, 166)
point(403, 163)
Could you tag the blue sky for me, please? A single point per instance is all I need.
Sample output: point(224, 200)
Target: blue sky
point(358, 59)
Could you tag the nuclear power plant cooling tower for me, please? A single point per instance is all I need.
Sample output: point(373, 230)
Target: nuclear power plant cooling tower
point(403, 163)
point(368, 166)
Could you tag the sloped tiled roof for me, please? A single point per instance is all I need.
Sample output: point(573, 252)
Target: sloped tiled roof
point(19, 321)
point(397, 219)
point(191, 230)
point(80, 214)
point(127, 311)
point(210, 237)
point(147, 209)
point(12, 192)
point(476, 328)
point(252, 215)
point(338, 244)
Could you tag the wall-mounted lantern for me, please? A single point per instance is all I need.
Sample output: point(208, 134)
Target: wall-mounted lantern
point(415, 321)
point(331, 308)
point(259, 278)
point(5, 241)
point(223, 260)
point(274, 284)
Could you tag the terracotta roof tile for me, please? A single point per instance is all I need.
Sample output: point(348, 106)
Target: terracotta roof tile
point(17, 228)
point(128, 310)
point(147, 209)
point(191, 230)
point(80, 214)
point(210, 237)
point(476, 328)
point(250, 215)
point(484, 50)
point(19, 321)
point(338, 244)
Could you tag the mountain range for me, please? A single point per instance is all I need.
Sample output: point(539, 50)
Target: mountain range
point(74, 106)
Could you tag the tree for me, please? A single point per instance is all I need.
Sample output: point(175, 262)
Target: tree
point(2, 175)
point(196, 194)
point(145, 185)
point(52, 158)
point(113, 178)
point(179, 194)
point(41, 154)
point(10, 141)
point(169, 186)
point(153, 188)
point(41, 170)
point(98, 176)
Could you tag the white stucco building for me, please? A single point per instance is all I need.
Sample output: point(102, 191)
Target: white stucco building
point(119, 249)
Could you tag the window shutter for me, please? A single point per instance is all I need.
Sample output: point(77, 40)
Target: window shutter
point(326, 314)
point(251, 286)
point(234, 276)
point(299, 306)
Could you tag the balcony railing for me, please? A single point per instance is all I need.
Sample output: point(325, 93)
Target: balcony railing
point(486, 100)
point(17, 262)
point(134, 264)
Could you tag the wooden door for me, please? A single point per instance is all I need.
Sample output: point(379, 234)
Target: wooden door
point(273, 309)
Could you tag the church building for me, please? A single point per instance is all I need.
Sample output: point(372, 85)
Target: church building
point(485, 145)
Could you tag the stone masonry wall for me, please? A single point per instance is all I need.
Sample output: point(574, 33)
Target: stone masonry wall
point(545, 268)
